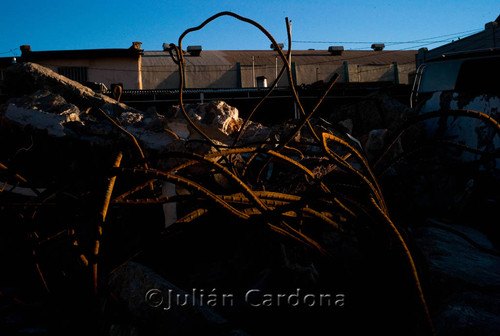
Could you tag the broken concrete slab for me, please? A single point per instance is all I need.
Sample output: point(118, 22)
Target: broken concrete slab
point(47, 101)
point(26, 78)
point(50, 102)
point(52, 123)
point(464, 273)
point(217, 114)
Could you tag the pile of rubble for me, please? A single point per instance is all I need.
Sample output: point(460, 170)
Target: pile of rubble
point(264, 232)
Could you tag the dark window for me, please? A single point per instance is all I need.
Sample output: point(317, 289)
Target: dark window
point(479, 76)
point(79, 74)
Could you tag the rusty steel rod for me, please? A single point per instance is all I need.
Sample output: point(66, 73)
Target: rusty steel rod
point(271, 89)
point(102, 218)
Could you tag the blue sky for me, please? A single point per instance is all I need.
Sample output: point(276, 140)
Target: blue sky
point(76, 24)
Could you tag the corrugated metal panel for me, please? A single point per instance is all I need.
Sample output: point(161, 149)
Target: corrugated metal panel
point(162, 58)
point(157, 59)
point(268, 57)
point(304, 57)
point(208, 57)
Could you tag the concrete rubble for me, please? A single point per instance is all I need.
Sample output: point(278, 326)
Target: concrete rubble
point(65, 128)
point(464, 270)
point(43, 105)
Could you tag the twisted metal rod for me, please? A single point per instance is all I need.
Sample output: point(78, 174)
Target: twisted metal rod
point(176, 179)
point(226, 172)
point(268, 93)
point(127, 133)
point(180, 62)
point(370, 181)
point(411, 264)
point(223, 200)
point(306, 119)
point(102, 218)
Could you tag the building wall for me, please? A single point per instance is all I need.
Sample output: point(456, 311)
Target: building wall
point(371, 73)
point(160, 77)
point(249, 75)
point(103, 70)
point(207, 76)
point(244, 76)
point(310, 73)
point(357, 73)
point(228, 70)
point(211, 76)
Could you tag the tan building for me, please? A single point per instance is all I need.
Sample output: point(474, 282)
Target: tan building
point(253, 68)
point(137, 69)
point(105, 66)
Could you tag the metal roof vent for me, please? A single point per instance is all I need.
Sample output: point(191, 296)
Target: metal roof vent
point(336, 50)
point(280, 45)
point(194, 50)
point(378, 46)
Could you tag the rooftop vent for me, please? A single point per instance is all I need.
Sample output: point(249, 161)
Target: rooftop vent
point(378, 46)
point(194, 50)
point(336, 50)
point(136, 45)
point(280, 45)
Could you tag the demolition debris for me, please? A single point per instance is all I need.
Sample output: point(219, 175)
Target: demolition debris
point(104, 202)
